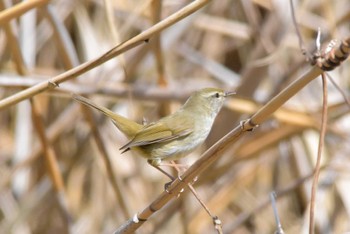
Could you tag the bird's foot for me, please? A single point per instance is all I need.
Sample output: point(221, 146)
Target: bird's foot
point(167, 185)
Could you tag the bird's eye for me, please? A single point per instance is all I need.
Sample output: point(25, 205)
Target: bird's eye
point(217, 95)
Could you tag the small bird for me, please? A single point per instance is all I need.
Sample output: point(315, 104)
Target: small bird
point(173, 136)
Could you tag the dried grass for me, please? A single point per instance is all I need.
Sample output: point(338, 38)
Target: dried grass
point(60, 168)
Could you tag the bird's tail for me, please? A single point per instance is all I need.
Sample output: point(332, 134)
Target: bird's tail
point(127, 126)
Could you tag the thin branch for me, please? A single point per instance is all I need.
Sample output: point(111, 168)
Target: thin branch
point(48, 152)
point(123, 47)
point(319, 154)
point(346, 99)
point(20, 9)
point(13, 42)
point(245, 216)
point(273, 197)
point(216, 221)
point(300, 39)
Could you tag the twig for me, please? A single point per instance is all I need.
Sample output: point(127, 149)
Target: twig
point(279, 229)
point(300, 39)
point(346, 99)
point(48, 152)
point(319, 154)
point(244, 217)
point(19, 9)
point(216, 221)
point(13, 42)
point(123, 47)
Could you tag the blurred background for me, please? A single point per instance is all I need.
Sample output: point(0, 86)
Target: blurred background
point(60, 167)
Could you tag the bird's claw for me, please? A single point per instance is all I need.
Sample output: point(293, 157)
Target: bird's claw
point(168, 184)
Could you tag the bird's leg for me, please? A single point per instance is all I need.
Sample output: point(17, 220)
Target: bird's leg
point(156, 164)
point(181, 166)
point(177, 166)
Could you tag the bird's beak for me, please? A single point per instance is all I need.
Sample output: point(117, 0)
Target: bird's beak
point(229, 93)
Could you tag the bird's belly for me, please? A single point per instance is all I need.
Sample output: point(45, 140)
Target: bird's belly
point(171, 150)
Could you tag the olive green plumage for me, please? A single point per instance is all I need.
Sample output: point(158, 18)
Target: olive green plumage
point(173, 136)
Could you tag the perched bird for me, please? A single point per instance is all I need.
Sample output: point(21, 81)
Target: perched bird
point(173, 136)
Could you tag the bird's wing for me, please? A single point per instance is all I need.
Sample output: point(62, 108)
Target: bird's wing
point(155, 133)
